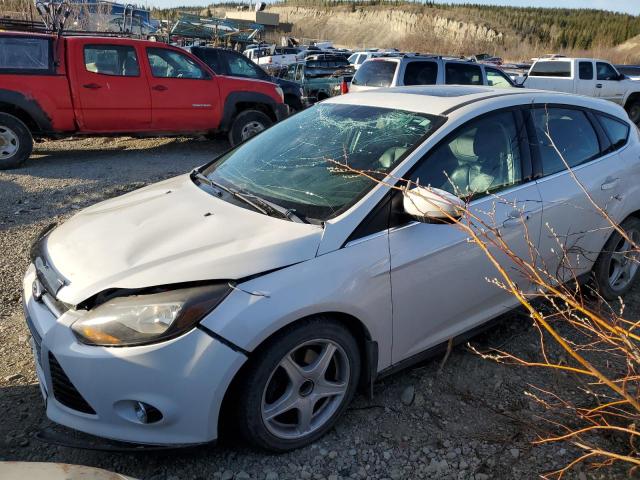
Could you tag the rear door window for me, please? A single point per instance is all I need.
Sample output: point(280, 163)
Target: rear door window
point(167, 63)
point(421, 73)
point(564, 136)
point(462, 74)
point(375, 73)
point(239, 66)
point(617, 131)
point(554, 68)
point(115, 60)
point(585, 70)
point(25, 55)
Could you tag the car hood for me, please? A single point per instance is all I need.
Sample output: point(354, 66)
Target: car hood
point(168, 233)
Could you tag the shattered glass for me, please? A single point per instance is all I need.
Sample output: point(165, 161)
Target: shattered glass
point(313, 162)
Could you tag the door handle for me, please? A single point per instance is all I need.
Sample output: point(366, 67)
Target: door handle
point(609, 183)
point(598, 85)
point(92, 86)
point(515, 218)
point(159, 88)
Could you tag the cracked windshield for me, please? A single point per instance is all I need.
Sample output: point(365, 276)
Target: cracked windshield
point(309, 163)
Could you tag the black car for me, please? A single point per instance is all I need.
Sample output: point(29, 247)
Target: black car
point(229, 62)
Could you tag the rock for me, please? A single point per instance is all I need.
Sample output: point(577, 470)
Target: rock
point(332, 454)
point(515, 453)
point(242, 476)
point(11, 378)
point(227, 475)
point(481, 476)
point(408, 395)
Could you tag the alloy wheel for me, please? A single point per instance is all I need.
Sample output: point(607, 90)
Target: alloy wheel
point(623, 263)
point(305, 389)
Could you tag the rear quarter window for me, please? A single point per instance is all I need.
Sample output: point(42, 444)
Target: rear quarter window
point(25, 55)
point(375, 73)
point(551, 69)
point(617, 131)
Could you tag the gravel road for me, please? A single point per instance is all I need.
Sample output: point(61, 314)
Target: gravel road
point(470, 421)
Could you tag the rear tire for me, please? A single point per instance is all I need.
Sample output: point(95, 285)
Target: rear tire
point(247, 124)
point(16, 142)
point(633, 110)
point(614, 271)
point(289, 396)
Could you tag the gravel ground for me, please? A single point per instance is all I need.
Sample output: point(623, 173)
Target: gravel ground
point(470, 421)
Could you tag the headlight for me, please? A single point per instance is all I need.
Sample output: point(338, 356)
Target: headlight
point(280, 92)
point(142, 319)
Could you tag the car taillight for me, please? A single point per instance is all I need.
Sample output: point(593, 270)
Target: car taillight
point(344, 87)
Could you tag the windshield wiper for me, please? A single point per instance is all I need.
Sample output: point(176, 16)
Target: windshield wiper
point(260, 204)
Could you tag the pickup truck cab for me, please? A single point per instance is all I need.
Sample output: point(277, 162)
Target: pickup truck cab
point(586, 76)
point(233, 64)
point(412, 69)
point(57, 86)
point(269, 56)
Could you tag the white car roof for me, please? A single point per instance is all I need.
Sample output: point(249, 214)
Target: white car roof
point(439, 99)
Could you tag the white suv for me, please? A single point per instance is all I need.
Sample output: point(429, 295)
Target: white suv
point(414, 69)
point(264, 287)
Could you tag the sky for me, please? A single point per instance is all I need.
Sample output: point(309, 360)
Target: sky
point(626, 6)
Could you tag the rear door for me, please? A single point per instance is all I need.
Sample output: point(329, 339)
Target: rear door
point(456, 73)
point(420, 72)
point(111, 89)
point(573, 229)
point(184, 96)
point(586, 83)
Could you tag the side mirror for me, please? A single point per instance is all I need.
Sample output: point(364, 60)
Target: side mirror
point(425, 204)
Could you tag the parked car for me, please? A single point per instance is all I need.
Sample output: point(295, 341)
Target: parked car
point(231, 63)
point(319, 76)
point(53, 87)
point(586, 76)
point(631, 71)
point(263, 288)
point(358, 58)
point(408, 70)
point(486, 58)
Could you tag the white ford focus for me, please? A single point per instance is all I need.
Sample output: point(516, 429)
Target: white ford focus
point(266, 286)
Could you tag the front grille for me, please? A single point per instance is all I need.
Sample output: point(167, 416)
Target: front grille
point(64, 391)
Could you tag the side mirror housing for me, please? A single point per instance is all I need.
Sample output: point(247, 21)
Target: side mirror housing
point(426, 204)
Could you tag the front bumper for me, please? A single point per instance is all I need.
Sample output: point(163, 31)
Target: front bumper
point(184, 378)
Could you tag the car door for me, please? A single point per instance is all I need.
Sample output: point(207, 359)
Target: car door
point(574, 231)
point(608, 83)
point(184, 96)
point(586, 83)
point(439, 279)
point(112, 92)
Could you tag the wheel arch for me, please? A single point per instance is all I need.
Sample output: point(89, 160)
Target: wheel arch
point(237, 102)
point(27, 111)
point(367, 347)
point(633, 97)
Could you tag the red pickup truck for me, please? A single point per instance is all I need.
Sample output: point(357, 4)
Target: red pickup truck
point(56, 86)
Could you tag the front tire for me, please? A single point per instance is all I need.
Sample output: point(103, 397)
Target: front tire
point(298, 385)
point(16, 142)
point(246, 125)
point(617, 267)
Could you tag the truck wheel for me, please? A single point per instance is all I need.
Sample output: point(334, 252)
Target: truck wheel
point(16, 142)
point(246, 125)
point(633, 109)
point(294, 103)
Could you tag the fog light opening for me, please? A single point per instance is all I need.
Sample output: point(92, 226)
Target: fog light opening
point(146, 413)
